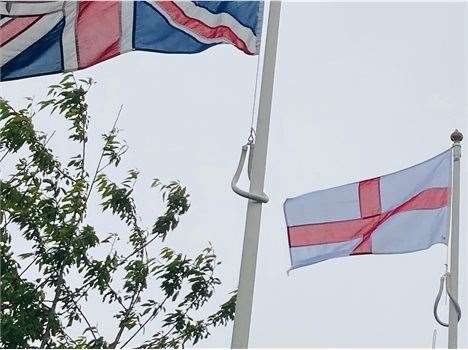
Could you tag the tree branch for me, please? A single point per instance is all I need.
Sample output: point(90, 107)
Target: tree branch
point(31, 264)
point(137, 250)
point(46, 335)
point(190, 305)
point(127, 313)
point(91, 328)
point(154, 313)
point(6, 153)
point(102, 156)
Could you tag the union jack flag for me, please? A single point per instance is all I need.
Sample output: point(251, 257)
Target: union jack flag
point(46, 37)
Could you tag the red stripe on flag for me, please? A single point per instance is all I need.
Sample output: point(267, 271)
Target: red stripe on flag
point(97, 31)
point(340, 231)
point(369, 197)
point(330, 232)
point(200, 28)
point(431, 198)
point(15, 27)
point(369, 205)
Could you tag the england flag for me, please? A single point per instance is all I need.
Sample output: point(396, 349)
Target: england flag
point(46, 37)
point(402, 212)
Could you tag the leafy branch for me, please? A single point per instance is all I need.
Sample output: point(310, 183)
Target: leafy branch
point(44, 202)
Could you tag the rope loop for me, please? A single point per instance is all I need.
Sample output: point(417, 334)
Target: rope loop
point(258, 197)
point(445, 278)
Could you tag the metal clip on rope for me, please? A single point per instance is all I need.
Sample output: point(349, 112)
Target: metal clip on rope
point(445, 277)
point(262, 198)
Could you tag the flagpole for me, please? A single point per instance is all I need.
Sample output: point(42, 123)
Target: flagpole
point(456, 137)
point(240, 334)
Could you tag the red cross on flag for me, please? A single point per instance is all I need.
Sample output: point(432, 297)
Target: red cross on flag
point(402, 212)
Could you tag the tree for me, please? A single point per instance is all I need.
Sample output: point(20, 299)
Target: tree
point(45, 203)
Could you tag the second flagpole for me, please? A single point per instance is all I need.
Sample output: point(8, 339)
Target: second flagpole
point(241, 330)
point(456, 137)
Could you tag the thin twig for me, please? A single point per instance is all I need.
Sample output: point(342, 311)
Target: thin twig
point(65, 175)
point(125, 150)
point(144, 323)
point(91, 328)
point(10, 219)
point(3, 157)
point(116, 295)
point(49, 138)
point(137, 250)
point(127, 312)
point(27, 267)
point(102, 156)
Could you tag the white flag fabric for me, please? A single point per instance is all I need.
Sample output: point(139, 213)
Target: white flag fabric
point(402, 212)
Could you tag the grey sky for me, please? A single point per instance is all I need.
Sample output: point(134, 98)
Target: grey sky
point(361, 90)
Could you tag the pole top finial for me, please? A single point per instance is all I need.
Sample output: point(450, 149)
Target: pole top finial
point(456, 136)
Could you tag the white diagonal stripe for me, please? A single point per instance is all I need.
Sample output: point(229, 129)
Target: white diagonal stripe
point(5, 20)
point(244, 33)
point(185, 29)
point(29, 37)
point(26, 8)
point(126, 23)
point(220, 19)
point(70, 55)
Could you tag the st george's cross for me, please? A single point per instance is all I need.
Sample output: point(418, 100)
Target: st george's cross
point(38, 38)
point(400, 212)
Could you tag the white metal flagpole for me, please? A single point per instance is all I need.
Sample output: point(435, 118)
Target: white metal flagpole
point(456, 137)
point(240, 334)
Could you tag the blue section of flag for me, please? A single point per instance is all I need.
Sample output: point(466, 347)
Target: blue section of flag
point(152, 32)
point(246, 12)
point(42, 57)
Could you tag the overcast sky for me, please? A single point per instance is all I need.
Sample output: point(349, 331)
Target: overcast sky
point(361, 90)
